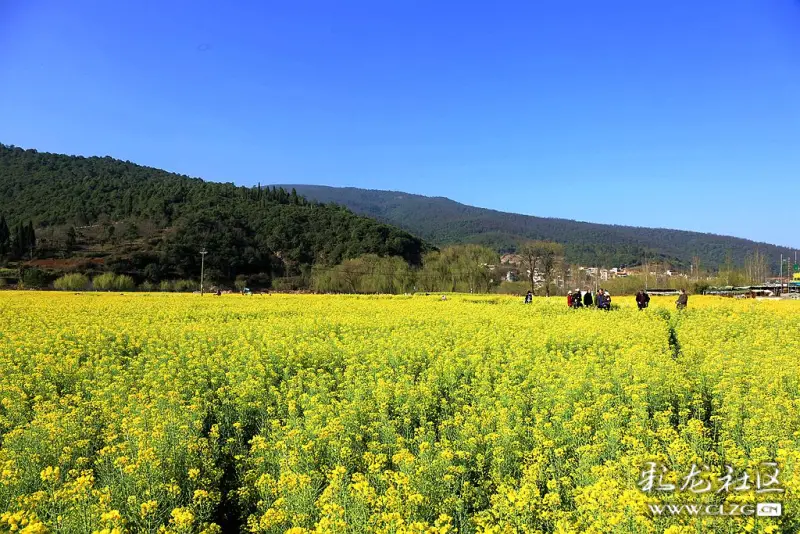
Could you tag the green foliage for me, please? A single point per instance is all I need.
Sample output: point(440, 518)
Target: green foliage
point(465, 268)
point(17, 243)
point(246, 231)
point(445, 222)
point(72, 282)
point(104, 282)
point(123, 282)
point(186, 286)
point(5, 238)
point(259, 281)
point(459, 268)
point(147, 287)
point(165, 285)
point(367, 274)
point(34, 279)
point(240, 283)
point(72, 240)
point(289, 283)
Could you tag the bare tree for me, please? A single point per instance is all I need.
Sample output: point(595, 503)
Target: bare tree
point(543, 255)
point(529, 255)
point(550, 255)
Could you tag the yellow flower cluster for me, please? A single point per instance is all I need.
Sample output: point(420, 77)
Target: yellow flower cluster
point(168, 413)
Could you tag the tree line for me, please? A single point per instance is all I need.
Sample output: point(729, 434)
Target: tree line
point(458, 268)
point(18, 242)
point(151, 224)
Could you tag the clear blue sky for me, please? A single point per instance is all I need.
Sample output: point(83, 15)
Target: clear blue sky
point(664, 113)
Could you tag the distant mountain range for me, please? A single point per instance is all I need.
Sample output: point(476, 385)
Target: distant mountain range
point(443, 221)
point(152, 224)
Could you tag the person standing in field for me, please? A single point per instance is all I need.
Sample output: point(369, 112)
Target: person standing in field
point(683, 300)
point(569, 299)
point(646, 298)
point(529, 298)
point(603, 300)
point(587, 299)
point(577, 300)
point(640, 300)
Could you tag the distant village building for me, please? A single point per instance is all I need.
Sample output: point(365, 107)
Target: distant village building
point(537, 276)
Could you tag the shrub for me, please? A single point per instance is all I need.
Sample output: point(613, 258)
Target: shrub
point(241, 282)
point(146, 286)
point(72, 282)
point(34, 278)
point(165, 285)
point(259, 281)
point(104, 282)
point(123, 282)
point(287, 283)
point(186, 285)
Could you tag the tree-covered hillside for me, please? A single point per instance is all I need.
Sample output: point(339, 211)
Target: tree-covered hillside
point(153, 224)
point(443, 221)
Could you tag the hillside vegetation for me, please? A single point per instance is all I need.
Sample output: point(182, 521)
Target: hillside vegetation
point(443, 221)
point(107, 214)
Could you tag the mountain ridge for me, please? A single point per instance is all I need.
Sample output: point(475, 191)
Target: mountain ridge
point(444, 221)
point(152, 224)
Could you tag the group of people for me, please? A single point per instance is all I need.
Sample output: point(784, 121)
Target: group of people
point(578, 299)
point(602, 300)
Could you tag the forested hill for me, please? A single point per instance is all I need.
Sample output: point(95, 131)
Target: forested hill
point(444, 221)
point(153, 223)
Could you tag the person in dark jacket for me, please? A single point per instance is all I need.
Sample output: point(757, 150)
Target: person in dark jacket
point(587, 299)
point(640, 300)
point(529, 298)
point(683, 300)
point(601, 299)
point(646, 298)
point(577, 300)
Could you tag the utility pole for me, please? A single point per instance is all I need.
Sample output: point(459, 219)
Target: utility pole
point(202, 268)
point(646, 271)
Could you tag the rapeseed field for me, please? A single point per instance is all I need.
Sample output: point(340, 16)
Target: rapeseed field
point(407, 414)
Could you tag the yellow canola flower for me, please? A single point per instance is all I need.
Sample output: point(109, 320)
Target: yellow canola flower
point(323, 413)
